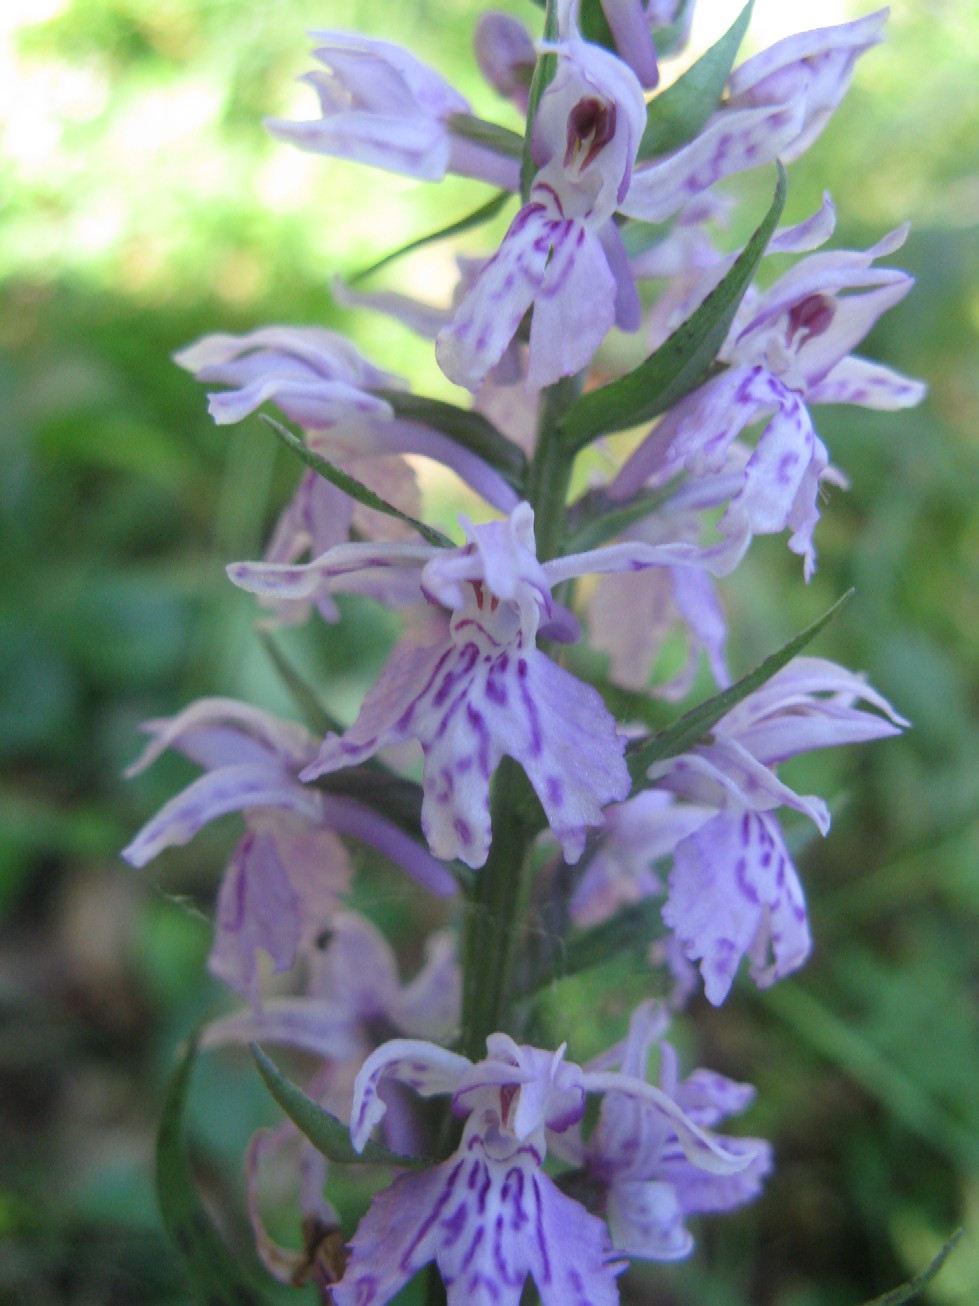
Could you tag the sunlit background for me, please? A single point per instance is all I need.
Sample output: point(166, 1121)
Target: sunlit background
point(142, 204)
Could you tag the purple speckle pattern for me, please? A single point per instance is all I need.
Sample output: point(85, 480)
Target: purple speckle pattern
point(488, 1223)
point(486, 692)
point(734, 892)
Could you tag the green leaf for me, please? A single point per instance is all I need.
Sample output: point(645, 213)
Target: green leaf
point(475, 219)
point(693, 725)
point(680, 363)
point(677, 114)
point(350, 485)
point(215, 1277)
point(914, 1287)
point(596, 517)
point(499, 139)
point(630, 930)
point(327, 1134)
point(467, 428)
point(544, 71)
point(594, 25)
point(319, 720)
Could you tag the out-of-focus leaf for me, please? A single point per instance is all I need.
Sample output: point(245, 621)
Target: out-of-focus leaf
point(350, 485)
point(213, 1274)
point(630, 930)
point(319, 720)
point(327, 1134)
point(677, 114)
point(914, 1287)
point(470, 429)
point(674, 369)
point(693, 725)
point(475, 219)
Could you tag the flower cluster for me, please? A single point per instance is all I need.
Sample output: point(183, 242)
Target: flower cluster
point(484, 764)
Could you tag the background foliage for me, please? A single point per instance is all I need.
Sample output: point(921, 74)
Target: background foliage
point(142, 204)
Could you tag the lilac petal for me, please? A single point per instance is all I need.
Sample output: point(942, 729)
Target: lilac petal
point(413, 437)
point(283, 1262)
point(292, 1022)
point(423, 1067)
point(429, 1006)
point(633, 40)
point(467, 158)
point(379, 106)
point(322, 353)
point(646, 1220)
point(574, 309)
point(303, 580)
point(628, 307)
point(218, 731)
point(853, 317)
point(699, 1193)
point(709, 1098)
point(699, 1147)
point(734, 890)
point(550, 1091)
point(423, 319)
point(871, 385)
point(723, 770)
point(637, 834)
point(734, 139)
point(806, 235)
point(488, 1224)
point(257, 908)
point(811, 68)
point(347, 816)
point(573, 753)
point(506, 56)
point(784, 717)
point(230, 789)
point(314, 404)
point(488, 317)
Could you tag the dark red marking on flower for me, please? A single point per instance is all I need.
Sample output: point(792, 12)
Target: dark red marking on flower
point(591, 125)
point(808, 318)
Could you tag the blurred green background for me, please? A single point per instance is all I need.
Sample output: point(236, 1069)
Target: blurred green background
point(142, 204)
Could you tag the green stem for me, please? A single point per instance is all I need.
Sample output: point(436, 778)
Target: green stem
point(492, 927)
point(550, 471)
point(498, 896)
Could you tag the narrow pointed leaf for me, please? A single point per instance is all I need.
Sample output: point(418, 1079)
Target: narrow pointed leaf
point(350, 485)
point(467, 428)
point(692, 726)
point(682, 361)
point(327, 1134)
point(475, 219)
point(596, 517)
point(319, 720)
point(914, 1287)
point(544, 71)
point(676, 115)
point(214, 1276)
point(499, 139)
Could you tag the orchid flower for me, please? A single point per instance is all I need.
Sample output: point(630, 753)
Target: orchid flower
point(559, 251)
point(733, 889)
point(381, 106)
point(633, 1154)
point(486, 690)
point(286, 876)
point(489, 1215)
